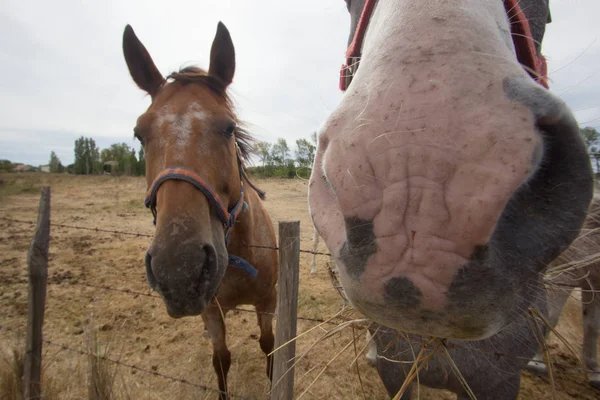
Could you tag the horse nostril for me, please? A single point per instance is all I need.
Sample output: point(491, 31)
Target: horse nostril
point(149, 274)
point(209, 264)
point(187, 275)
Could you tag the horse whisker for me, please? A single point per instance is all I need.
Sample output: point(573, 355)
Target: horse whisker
point(576, 58)
point(526, 37)
point(577, 84)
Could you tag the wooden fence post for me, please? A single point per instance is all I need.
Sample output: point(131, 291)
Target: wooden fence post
point(37, 264)
point(287, 310)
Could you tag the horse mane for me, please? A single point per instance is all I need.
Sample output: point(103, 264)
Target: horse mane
point(193, 74)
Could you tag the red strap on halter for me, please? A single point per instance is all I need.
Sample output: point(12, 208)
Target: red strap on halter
point(522, 38)
point(355, 48)
point(524, 43)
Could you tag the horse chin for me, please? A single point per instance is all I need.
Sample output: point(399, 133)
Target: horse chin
point(188, 310)
point(189, 297)
point(190, 307)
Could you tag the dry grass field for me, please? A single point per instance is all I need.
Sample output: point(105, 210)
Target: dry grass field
point(136, 329)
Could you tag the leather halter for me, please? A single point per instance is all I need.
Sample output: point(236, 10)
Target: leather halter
point(355, 49)
point(524, 43)
point(520, 29)
point(227, 216)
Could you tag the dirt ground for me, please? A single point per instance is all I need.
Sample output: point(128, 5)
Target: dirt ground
point(136, 329)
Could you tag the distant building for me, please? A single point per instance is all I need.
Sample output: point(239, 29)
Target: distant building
point(22, 168)
point(45, 168)
point(110, 167)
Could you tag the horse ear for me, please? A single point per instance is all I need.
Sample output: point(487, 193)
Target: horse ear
point(222, 56)
point(140, 64)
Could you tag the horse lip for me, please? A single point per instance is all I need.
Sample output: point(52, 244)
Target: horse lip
point(185, 311)
point(173, 313)
point(205, 297)
point(149, 274)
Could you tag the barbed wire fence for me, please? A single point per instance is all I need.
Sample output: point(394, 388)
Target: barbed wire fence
point(130, 366)
point(83, 281)
point(150, 292)
point(334, 321)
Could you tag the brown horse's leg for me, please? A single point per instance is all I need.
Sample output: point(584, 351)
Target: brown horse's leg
point(215, 325)
point(264, 313)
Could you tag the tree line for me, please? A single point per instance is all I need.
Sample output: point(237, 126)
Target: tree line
point(591, 138)
point(276, 159)
point(119, 158)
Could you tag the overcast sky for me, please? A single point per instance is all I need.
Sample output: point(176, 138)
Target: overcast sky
point(62, 73)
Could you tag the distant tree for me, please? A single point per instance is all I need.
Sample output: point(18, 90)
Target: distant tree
point(591, 138)
point(141, 162)
point(6, 166)
point(131, 163)
point(263, 150)
point(124, 155)
point(314, 139)
point(106, 155)
point(280, 152)
point(94, 157)
point(305, 153)
point(54, 164)
point(87, 157)
point(79, 164)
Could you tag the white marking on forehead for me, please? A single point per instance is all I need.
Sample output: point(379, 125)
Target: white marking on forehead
point(181, 127)
point(195, 111)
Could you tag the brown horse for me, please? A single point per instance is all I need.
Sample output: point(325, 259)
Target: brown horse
point(195, 149)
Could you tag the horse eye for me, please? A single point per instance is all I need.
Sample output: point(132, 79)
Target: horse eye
point(229, 131)
point(136, 134)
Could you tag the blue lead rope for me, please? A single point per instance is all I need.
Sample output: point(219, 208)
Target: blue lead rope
point(239, 262)
point(244, 265)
